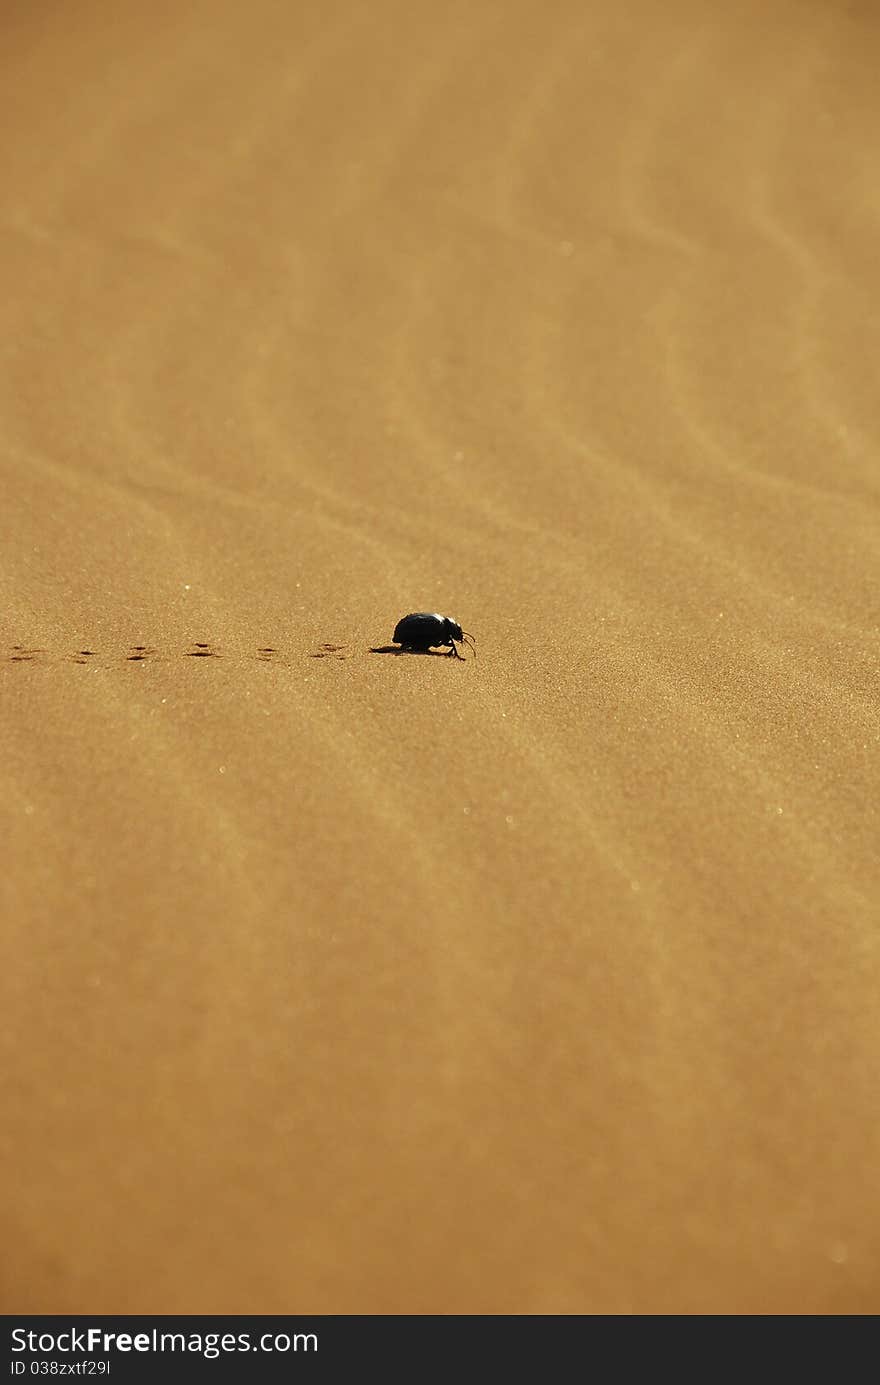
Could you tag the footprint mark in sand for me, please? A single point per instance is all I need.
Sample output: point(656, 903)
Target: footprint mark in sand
point(330, 651)
point(21, 655)
point(140, 651)
point(268, 653)
point(82, 656)
point(203, 651)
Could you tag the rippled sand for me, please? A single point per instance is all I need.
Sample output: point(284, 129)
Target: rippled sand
point(542, 983)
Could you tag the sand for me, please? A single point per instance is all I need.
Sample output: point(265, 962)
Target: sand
point(337, 982)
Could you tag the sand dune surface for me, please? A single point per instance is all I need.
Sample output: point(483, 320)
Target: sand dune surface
point(341, 982)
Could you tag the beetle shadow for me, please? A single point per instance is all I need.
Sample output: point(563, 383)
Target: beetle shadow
point(399, 649)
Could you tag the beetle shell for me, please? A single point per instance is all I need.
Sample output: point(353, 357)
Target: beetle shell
point(424, 629)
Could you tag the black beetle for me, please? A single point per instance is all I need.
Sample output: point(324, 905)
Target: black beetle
point(422, 630)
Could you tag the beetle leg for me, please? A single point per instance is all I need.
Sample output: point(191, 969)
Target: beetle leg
point(469, 641)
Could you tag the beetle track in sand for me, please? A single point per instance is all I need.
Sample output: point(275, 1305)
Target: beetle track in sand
point(144, 653)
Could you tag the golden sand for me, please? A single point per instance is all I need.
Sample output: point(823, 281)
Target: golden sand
point(541, 983)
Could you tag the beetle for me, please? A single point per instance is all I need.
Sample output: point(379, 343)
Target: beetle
point(422, 630)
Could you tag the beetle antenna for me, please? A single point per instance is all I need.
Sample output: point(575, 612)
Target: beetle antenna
point(464, 640)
